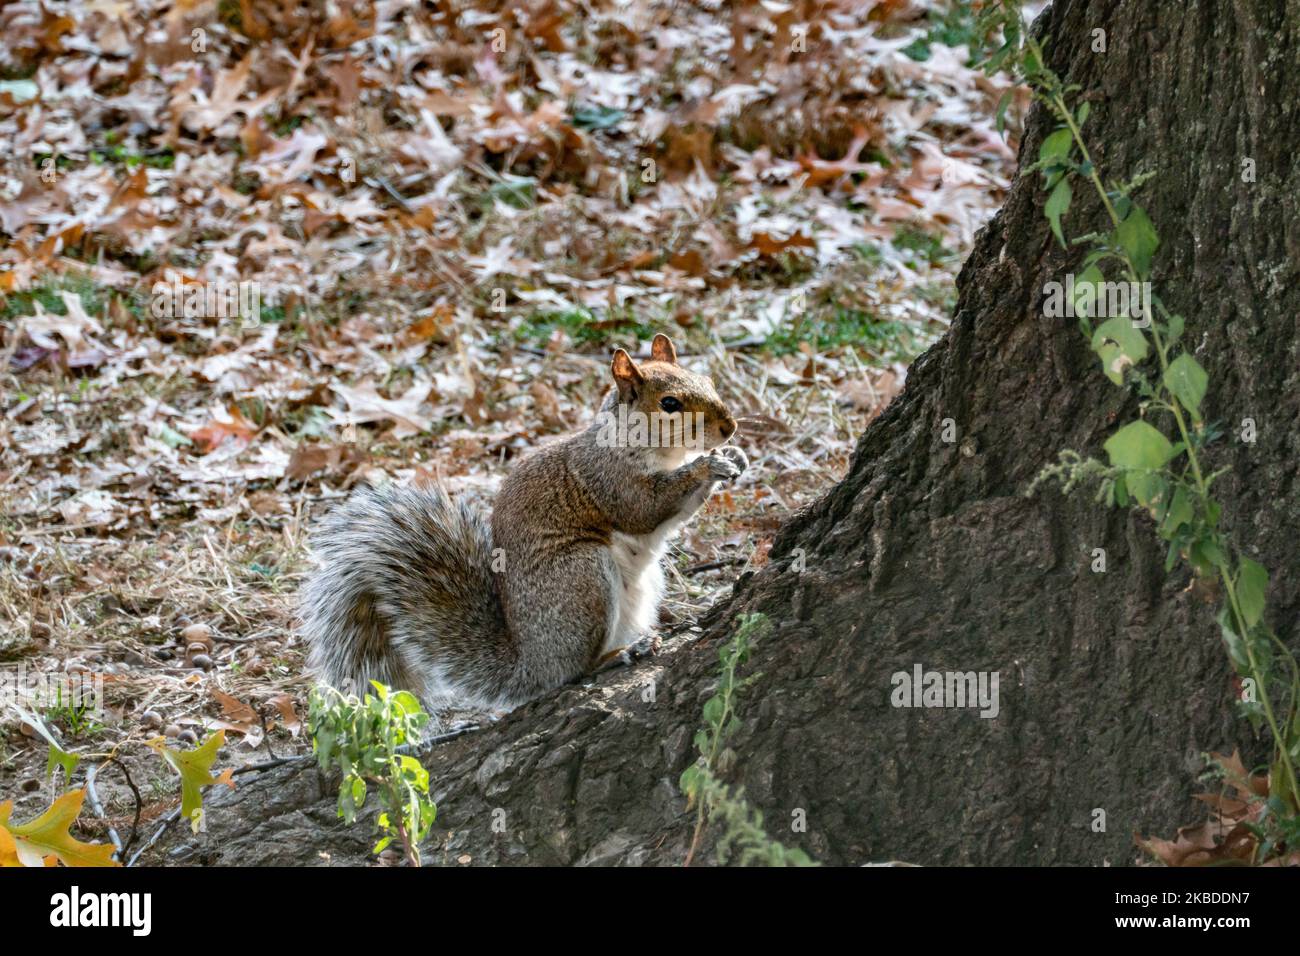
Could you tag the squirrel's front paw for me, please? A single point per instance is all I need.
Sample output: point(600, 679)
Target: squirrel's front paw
point(727, 463)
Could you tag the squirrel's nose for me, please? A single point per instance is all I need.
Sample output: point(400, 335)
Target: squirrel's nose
point(728, 427)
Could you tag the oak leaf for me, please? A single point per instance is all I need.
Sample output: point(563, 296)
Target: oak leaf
point(34, 843)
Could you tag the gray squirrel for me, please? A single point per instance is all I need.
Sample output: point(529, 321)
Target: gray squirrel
point(419, 593)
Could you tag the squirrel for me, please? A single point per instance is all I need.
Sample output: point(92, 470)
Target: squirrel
point(419, 593)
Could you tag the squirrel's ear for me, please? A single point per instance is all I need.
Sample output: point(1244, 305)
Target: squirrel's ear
point(663, 350)
point(626, 376)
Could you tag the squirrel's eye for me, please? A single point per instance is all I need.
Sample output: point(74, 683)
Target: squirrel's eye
point(670, 404)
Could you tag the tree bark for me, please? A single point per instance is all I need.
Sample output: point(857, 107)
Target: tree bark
point(1111, 684)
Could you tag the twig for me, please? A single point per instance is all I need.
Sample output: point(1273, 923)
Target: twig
point(167, 821)
point(266, 732)
point(714, 565)
point(98, 807)
point(139, 804)
point(272, 764)
point(387, 187)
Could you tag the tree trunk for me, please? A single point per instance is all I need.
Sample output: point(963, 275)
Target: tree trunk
point(1111, 684)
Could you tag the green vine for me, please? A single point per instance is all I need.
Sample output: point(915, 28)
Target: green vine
point(742, 825)
point(1165, 477)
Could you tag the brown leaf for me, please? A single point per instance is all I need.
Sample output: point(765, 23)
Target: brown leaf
point(769, 245)
point(233, 427)
point(438, 324)
point(234, 709)
point(309, 460)
point(823, 171)
point(289, 718)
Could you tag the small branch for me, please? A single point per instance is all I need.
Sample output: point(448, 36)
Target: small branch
point(139, 805)
point(272, 764)
point(714, 565)
point(93, 795)
point(167, 822)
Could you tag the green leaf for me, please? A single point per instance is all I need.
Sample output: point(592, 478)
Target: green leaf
point(1236, 646)
point(195, 769)
point(58, 757)
point(1138, 446)
point(597, 117)
point(61, 758)
point(1178, 514)
point(1252, 582)
point(1003, 103)
point(1187, 381)
point(1057, 205)
point(405, 703)
point(1171, 556)
point(1081, 116)
point(1205, 554)
point(690, 780)
point(1137, 237)
point(1085, 297)
point(172, 437)
point(1119, 345)
point(1148, 487)
point(995, 62)
point(1121, 492)
point(1056, 147)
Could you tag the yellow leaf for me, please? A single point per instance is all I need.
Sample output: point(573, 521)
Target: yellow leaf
point(8, 849)
point(194, 767)
point(47, 836)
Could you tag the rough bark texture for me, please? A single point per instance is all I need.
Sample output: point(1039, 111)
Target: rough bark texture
point(1111, 684)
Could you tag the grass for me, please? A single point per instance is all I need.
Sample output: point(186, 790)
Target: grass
point(925, 247)
point(584, 327)
point(518, 192)
point(953, 26)
point(120, 155)
point(14, 305)
point(841, 328)
point(74, 718)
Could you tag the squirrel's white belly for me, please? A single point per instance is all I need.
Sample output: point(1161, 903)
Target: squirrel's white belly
point(637, 558)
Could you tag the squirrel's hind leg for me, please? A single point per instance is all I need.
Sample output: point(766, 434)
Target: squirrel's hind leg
point(560, 617)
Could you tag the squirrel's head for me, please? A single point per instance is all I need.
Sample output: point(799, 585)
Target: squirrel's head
point(675, 407)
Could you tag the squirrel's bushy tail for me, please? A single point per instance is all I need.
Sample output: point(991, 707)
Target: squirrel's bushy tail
point(404, 594)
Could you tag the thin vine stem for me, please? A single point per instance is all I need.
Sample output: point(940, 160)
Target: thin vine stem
point(1057, 102)
point(700, 816)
